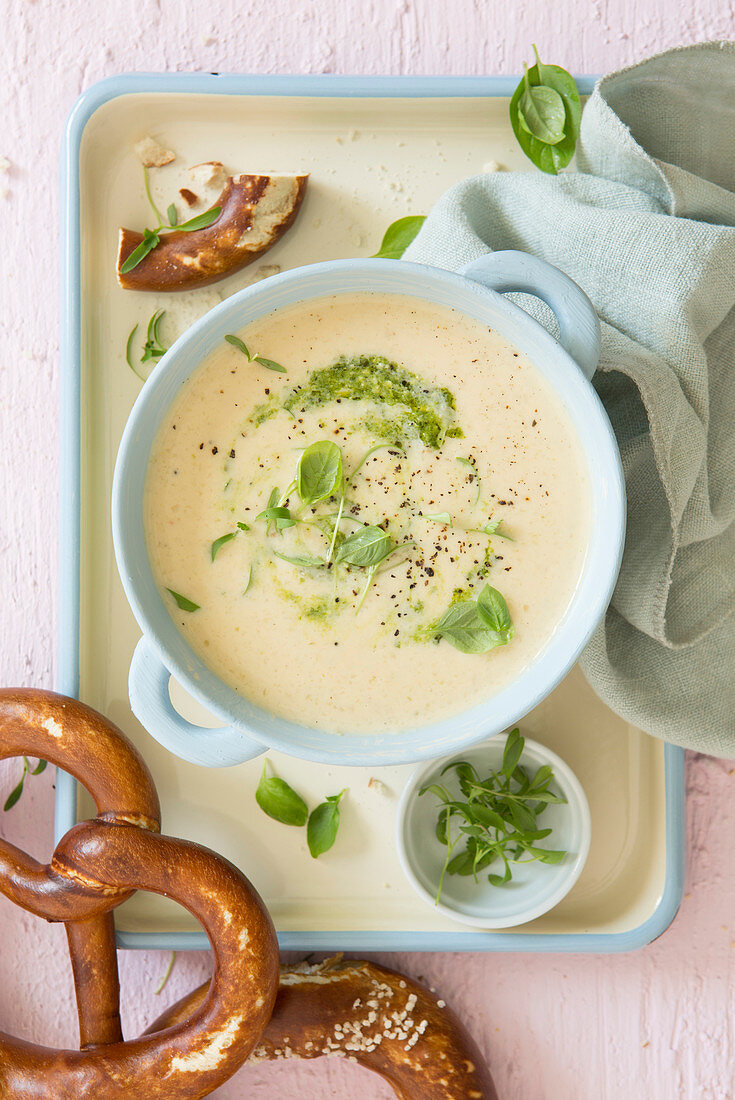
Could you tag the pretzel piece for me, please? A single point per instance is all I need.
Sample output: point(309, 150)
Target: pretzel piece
point(255, 213)
point(381, 1019)
point(98, 864)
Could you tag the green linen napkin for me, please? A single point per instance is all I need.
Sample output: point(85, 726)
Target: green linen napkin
point(645, 226)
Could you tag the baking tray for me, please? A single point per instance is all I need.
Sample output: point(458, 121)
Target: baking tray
point(377, 149)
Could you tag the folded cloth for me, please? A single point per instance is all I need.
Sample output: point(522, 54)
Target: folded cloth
point(645, 226)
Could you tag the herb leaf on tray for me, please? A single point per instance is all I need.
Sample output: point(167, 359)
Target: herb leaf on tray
point(279, 801)
point(398, 236)
point(545, 113)
point(496, 816)
point(321, 830)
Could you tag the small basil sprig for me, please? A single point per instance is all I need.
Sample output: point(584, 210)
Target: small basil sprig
point(281, 802)
point(17, 791)
point(477, 626)
point(398, 236)
point(242, 347)
point(321, 830)
point(545, 113)
point(497, 816)
point(366, 547)
point(152, 237)
point(319, 472)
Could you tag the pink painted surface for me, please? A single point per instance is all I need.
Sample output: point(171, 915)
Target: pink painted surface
point(654, 1025)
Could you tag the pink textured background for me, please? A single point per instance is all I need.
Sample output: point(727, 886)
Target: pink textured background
point(654, 1025)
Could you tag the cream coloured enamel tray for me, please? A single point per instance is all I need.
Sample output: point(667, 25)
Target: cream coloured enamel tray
point(377, 149)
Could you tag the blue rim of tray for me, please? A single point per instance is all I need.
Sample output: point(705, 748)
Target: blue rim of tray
point(410, 87)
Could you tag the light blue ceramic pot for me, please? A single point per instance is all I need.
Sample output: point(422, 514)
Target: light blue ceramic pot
point(477, 291)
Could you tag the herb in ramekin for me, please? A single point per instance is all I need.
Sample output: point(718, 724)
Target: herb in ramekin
point(497, 816)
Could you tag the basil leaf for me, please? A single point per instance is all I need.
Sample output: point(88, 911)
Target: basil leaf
point(541, 113)
point(270, 364)
point(398, 236)
point(303, 561)
point(182, 602)
point(15, 794)
point(238, 343)
point(172, 215)
point(220, 542)
point(549, 158)
point(321, 830)
point(366, 547)
point(463, 627)
point(149, 242)
point(494, 612)
point(512, 751)
point(319, 472)
point(279, 801)
point(201, 221)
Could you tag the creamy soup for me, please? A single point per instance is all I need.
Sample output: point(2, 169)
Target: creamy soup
point(448, 470)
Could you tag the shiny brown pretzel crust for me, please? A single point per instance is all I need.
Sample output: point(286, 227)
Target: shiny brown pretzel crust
point(95, 867)
point(381, 1019)
point(374, 1016)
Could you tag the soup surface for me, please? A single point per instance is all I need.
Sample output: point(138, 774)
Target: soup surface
point(447, 468)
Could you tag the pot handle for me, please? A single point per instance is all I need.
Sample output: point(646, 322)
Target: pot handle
point(151, 704)
point(579, 326)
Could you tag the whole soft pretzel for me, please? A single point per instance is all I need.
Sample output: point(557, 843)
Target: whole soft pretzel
point(94, 868)
point(358, 1010)
point(381, 1019)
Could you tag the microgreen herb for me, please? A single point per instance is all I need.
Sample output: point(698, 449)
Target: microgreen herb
point(249, 581)
point(321, 830)
point(182, 602)
point(239, 344)
point(153, 347)
point(303, 561)
point(493, 528)
point(224, 539)
point(17, 791)
point(497, 816)
point(545, 113)
point(152, 237)
point(438, 517)
point(220, 542)
point(471, 467)
point(242, 346)
point(167, 974)
point(269, 363)
point(398, 236)
point(477, 626)
point(279, 801)
point(368, 454)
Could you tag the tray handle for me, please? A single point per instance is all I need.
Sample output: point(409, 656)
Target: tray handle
point(579, 326)
point(151, 704)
